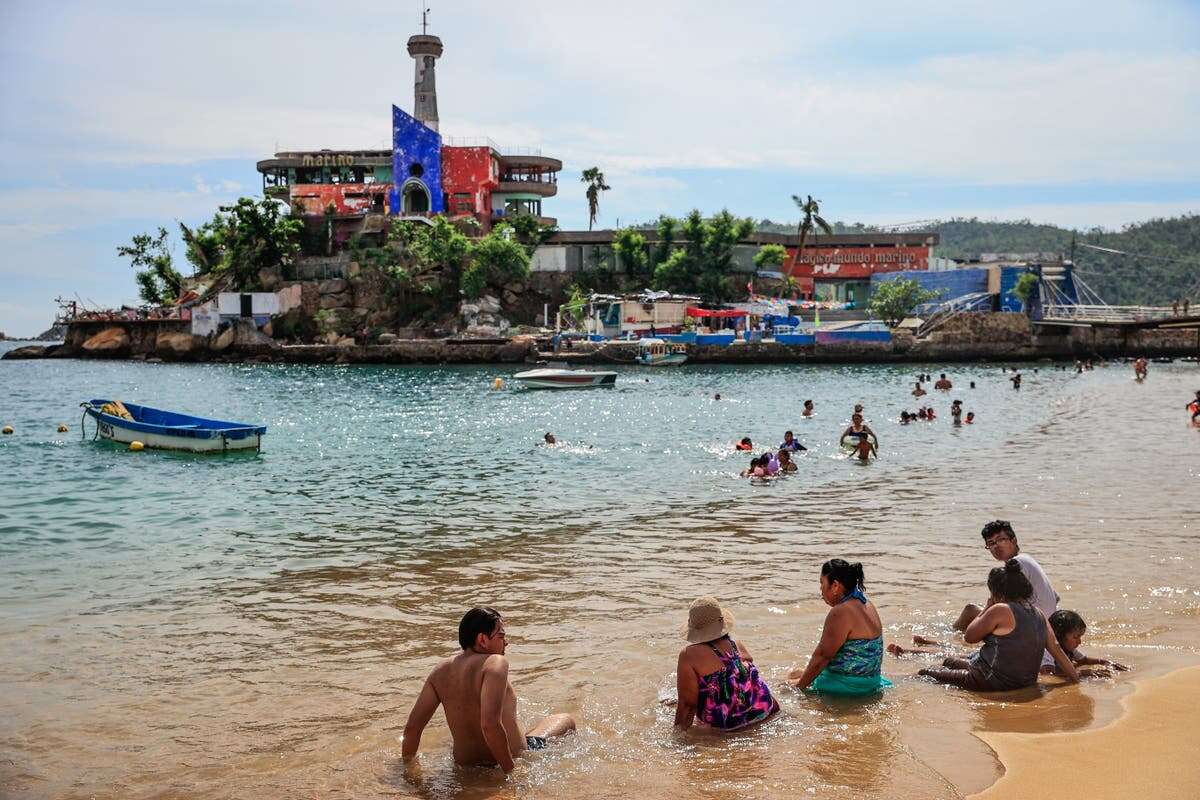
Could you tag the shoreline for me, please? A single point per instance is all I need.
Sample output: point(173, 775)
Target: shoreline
point(1147, 749)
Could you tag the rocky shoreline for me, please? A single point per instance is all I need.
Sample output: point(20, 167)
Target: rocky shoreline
point(977, 337)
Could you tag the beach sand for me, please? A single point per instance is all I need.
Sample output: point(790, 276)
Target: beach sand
point(1149, 750)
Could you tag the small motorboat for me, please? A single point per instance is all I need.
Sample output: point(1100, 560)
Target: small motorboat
point(167, 430)
point(658, 353)
point(550, 378)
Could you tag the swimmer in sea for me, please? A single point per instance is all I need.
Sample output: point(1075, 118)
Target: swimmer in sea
point(1016, 381)
point(921, 413)
point(970, 418)
point(808, 409)
point(905, 417)
point(956, 410)
point(1140, 369)
point(972, 384)
point(790, 443)
point(785, 462)
point(864, 450)
point(1194, 407)
point(549, 438)
point(943, 384)
point(755, 470)
point(717, 396)
point(918, 391)
point(858, 429)
point(744, 444)
point(930, 414)
point(858, 409)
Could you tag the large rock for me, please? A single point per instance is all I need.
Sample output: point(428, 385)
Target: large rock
point(489, 304)
point(342, 300)
point(224, 340)
point(333, 286)
point(175, 345)
point(29, 351)
point(468, 309)
point(112, 341)
point(510, 298)
point(353, 269)
point(384, 338)
point(482, 332)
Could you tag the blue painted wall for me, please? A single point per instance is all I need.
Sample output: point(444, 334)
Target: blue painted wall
point(951, 283)
point(415, 143)
point(1008, 279)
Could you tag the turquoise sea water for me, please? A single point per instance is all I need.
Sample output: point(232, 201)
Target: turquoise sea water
point(250, 623)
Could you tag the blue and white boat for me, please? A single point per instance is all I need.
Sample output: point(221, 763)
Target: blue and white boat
point(168, 430)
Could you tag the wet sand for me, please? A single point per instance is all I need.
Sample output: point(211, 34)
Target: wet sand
point(1150, 749)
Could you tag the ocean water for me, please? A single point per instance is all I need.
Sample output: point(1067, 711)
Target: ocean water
point(251, 625)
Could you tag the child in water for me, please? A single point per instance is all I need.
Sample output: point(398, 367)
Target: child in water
point(1069, 628)
point(755, 470)
point(864, 450)
point(970, 417)
point(745, 444)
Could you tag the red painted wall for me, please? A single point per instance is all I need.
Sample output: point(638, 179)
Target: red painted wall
point(833, 263)
point(347, 198)
point(469, 170)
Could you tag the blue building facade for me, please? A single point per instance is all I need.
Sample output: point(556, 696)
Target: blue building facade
point(416, 167)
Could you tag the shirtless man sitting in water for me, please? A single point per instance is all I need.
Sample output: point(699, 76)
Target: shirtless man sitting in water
point(479, 702)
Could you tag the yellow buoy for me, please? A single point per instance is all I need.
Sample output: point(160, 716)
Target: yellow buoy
point(62, 428)
point(136, 446)
point(498, 384)
point(6, 429)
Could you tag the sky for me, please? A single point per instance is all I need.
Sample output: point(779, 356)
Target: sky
point(119, 117)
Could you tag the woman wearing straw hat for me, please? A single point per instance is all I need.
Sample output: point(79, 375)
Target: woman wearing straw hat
point(718, 684)
point(848, 658)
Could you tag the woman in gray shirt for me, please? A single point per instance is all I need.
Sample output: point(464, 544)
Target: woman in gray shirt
point(1014, 635)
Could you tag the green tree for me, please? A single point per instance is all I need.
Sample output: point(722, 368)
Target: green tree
point(892, 301)
point(704, 264)
point(770, 256)
point(531, 233)
point(810, 220)
point(496, 258)
point(157, 279)
point(257, 235)
point(630, 247)
point(594, 179)
point(1025, 287)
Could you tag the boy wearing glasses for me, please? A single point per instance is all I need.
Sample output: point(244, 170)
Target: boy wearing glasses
point(1001, 542)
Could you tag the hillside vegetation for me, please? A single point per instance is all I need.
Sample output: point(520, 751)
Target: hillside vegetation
point(1163, 265)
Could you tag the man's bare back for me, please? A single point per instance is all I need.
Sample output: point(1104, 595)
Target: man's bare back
point(458, 683)
point(479, 702)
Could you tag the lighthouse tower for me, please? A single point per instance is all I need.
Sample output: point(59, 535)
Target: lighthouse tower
point(426, 50)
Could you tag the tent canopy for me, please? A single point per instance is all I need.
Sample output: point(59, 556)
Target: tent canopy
point(705, 312)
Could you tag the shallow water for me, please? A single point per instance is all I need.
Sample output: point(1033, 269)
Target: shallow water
point(258, 625)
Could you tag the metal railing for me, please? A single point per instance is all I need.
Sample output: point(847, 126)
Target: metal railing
point(1075, 312)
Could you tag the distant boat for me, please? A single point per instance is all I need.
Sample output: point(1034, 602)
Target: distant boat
point(167, 430)
point(658, 353)
point(565, 378)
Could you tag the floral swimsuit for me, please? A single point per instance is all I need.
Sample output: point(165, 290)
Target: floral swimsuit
point(733, 696)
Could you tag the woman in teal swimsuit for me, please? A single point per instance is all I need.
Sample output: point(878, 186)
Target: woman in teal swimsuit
point(848, 658)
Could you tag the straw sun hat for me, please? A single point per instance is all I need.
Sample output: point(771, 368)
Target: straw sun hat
point(707, 621)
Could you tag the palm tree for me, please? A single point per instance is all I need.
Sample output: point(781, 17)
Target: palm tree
point(811, 211)
point(594, 178)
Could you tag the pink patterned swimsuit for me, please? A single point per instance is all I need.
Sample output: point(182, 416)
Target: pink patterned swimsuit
point(733, 696)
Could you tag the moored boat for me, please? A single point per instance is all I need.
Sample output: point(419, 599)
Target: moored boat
point(659, 353)
point(168, 430)
point(550, 378)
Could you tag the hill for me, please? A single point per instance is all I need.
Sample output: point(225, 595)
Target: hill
point(1162, 262)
